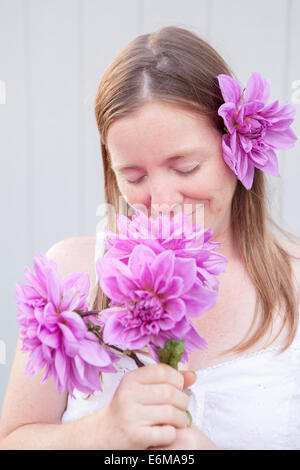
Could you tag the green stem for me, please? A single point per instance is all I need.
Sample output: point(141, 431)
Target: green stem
point(131, 354)
point(86, 314)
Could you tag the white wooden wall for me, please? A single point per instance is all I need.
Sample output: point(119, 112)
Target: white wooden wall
point(52, 56)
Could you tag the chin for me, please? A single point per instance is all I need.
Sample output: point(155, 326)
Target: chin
point(200, 216)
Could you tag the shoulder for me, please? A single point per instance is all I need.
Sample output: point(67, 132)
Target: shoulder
point(72, 251)
point(74, 254)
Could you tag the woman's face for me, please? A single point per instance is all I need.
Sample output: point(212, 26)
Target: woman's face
point(164, 156)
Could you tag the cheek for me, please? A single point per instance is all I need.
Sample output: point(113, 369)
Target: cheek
point(216, 183)
point(131, 193)
point(204, 185)
point(220, 178)
point(223, 191)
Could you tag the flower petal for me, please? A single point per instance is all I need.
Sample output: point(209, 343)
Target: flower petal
point(35, 282)
point(199, 299)
point(162, 269)
point(93, 353)
point(140, 256)
point(75, 323)
point(280, 140)
point(54, 286)
point(113, 326)
point(48, 338)
point(227, 112)
point(147, 281)
point(71, 343)
point(231, 90)
point(176, 288)
point(175, 308)
point(61, 367)
point(115, 279)
point(257, 88)
point(186, 269)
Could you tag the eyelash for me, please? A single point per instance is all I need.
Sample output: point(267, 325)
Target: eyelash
point(186, 173)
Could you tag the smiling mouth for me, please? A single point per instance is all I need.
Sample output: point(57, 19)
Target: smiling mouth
point(199, 203)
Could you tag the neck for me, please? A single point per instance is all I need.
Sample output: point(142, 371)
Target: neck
point(227, 245)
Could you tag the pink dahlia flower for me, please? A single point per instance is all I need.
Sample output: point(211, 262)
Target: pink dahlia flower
point(56, 336)
point(254, 128)
point(156, 285)
point(185, 240)
point(152, 298)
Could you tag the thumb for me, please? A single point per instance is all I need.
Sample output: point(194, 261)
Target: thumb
point(189, 378)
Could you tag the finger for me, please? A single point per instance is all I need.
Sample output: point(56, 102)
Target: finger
point(169, 447)
point(159, 394)
point(190, 377)
point(157, 374)
point(158, 436)
point(154, 415)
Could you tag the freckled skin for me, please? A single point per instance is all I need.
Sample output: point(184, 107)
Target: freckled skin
point(158, 130)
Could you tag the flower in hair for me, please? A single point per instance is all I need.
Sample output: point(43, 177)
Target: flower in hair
point(254, 129)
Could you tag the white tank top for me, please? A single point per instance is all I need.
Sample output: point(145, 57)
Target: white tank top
point(250, 402)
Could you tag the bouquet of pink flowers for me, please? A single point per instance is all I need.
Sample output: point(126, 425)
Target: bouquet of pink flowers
point(156, 285)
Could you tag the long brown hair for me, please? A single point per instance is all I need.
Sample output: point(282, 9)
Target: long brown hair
point(176, 66)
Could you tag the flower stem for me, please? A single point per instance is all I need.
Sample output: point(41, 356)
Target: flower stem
point(131, 354)
point(86, 314)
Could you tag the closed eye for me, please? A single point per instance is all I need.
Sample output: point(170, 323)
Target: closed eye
point(181, 173)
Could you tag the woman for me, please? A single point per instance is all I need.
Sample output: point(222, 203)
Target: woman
point(158, 100)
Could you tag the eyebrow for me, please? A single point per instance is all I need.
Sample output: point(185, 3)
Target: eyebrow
point(181, 154)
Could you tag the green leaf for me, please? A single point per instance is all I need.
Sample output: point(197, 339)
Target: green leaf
point(172, 352)
point(90, 325)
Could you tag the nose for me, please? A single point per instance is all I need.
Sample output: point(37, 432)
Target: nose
point(165, 197)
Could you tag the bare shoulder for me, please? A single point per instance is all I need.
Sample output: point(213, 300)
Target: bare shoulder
point(75, 254)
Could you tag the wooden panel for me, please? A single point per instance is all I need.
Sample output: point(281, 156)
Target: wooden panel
point(15, 175)
point(191, 15)
point(55, 124)
point(105, 31)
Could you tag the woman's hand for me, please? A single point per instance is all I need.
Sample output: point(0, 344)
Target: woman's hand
point(147, 408)
point(190, 438)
